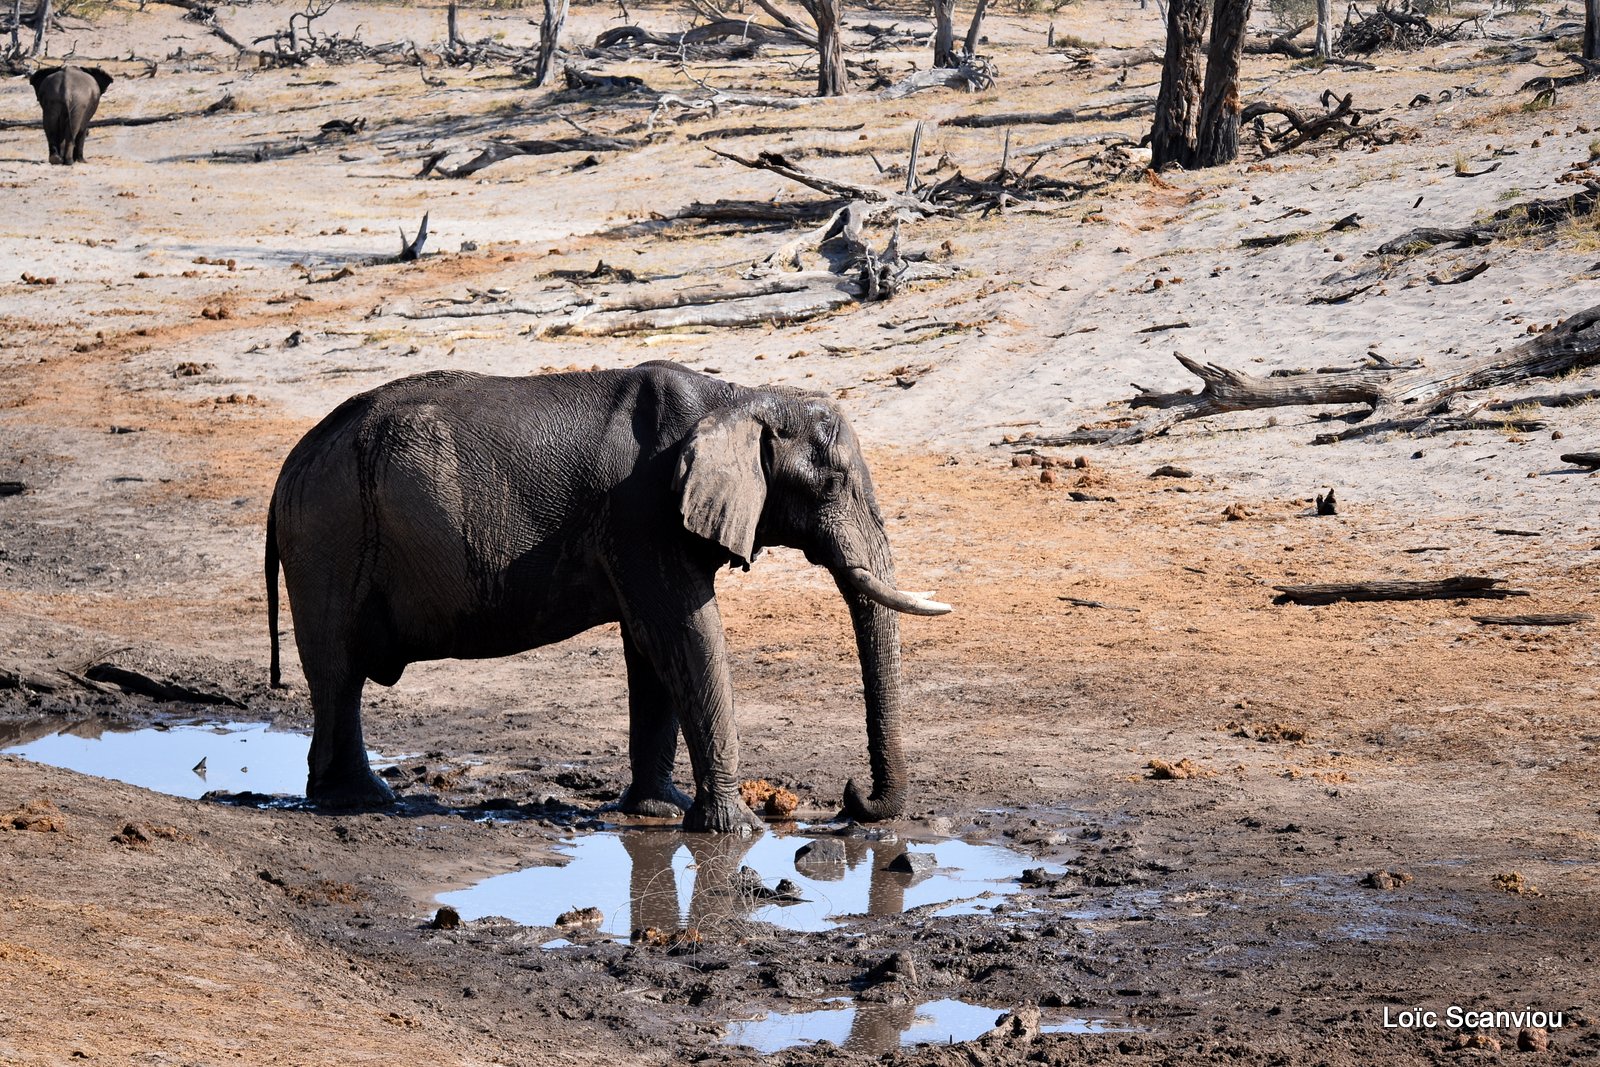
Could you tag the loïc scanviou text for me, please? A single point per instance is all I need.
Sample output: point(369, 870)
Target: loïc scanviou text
point(1456, 1017)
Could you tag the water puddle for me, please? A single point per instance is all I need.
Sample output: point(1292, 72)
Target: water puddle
point(642, 878)
point(877, 1028)
point(185, 761)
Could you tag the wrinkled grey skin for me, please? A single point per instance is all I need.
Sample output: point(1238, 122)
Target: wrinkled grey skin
point(69, 96)
point(455, 515)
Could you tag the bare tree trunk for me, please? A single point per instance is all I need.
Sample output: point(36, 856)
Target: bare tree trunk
point(831, 80)
point(45, 13)
point(555, 16)
point(1591, 29)
point(1325, 28)
point(452, 35)
point(975, 28)
point(1177, 122)
point(16, 27)
point(1218, 141)
point(944, 34)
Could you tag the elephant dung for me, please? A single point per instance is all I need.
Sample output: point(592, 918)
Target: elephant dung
point(579, 917)
point(823, 859)
point(771, 800)
point(446, 918)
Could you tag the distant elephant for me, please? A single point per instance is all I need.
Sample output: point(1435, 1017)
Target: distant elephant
point(452, 515)
point(69, 96)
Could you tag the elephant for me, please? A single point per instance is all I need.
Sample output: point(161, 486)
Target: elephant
point(69, 96)
point(457, 515)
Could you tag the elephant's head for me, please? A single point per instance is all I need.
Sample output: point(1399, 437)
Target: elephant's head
point(780, 468)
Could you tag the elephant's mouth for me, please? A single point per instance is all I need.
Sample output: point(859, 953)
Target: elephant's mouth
point(870, 586)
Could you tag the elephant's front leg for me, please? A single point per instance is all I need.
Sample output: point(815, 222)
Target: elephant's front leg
point(652, 739)
point(680, 630)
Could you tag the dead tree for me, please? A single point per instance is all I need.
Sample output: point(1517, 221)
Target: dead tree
point(1324, 29)
point(944, 33)
point(1591, 29)
point(1197, 124)
point(1177, 121)
point(1218, 139)
point(555, 16)
point(831, 77)
point(45, 12)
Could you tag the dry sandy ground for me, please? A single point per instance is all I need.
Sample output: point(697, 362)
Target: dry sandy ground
point(1221, 915)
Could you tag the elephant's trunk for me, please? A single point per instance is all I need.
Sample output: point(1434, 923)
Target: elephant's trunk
point(877, 629)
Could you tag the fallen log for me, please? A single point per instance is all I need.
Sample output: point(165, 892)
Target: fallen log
point(1114, 111)
point(13, 488)
point(1402, 396)
point(496, 151)
point(1466, 587)
point(1425, 237)
point(1582, 459)
point(1551, 619)
point(132, 681)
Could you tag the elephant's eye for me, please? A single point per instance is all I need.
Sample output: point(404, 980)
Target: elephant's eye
point(833, 483)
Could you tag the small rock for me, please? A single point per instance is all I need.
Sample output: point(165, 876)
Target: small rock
point(1082, 463)
point(900, 967)
point(1235, 512)
point(1040, 876)
point(912, 863)
point(446, 918)
point(1535, 1040)
point(824, 852)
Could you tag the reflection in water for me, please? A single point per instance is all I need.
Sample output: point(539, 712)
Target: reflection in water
point(642, 878)
point(185, 761)
point(874, 1028)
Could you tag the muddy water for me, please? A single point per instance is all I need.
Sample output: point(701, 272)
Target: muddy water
point(185, 760)
point(641, 878)
point(872, 1028)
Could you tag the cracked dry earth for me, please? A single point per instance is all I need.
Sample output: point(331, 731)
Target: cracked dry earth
point(1254, 829)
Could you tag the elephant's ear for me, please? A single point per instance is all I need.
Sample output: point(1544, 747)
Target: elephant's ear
point(100, 77)
point(41, 74)
point(721, 485)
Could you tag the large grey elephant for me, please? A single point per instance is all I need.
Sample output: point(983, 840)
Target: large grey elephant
point(69, 96)
point(452, 515)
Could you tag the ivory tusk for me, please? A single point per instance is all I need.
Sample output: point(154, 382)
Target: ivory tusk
point(907, 603)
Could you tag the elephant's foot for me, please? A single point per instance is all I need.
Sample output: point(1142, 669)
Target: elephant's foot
point(731, 816)
point(665, 801)
point(360, 789)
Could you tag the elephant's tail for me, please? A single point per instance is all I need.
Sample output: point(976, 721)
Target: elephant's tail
point(272, 591)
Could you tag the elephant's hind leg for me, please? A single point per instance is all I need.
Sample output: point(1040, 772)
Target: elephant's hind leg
point(339, 774)
point(652, 740)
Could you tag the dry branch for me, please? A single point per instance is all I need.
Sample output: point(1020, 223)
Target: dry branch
point(1465, 587)
point(1402, 396)
point(1114, 111)
point(1582, 459)
point(1340, 117)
